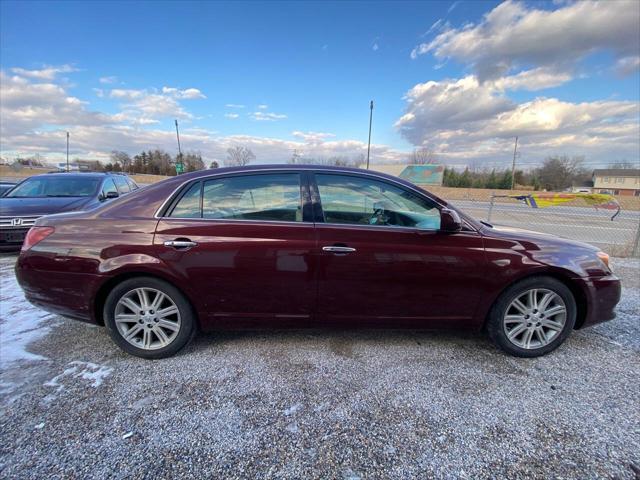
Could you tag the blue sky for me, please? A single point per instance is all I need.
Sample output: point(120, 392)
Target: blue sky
point(304, 73)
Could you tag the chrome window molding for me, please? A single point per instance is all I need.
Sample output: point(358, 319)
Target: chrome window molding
point(310, 169)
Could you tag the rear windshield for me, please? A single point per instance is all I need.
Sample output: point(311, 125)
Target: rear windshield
point(56, 187)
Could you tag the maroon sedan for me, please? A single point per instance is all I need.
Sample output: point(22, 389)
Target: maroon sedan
point(301, 246)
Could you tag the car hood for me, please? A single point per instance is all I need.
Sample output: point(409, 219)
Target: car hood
point(530, 238)
point(16, 207)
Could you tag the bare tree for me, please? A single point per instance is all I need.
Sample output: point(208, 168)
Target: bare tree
point(121, 158)
point(239, 156)
point(558, 173)
point(422, 156)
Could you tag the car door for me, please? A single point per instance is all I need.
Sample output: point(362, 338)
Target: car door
point(243, 243)
point(384, 259)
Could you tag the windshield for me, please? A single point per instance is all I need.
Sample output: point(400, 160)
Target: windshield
point(55, 187)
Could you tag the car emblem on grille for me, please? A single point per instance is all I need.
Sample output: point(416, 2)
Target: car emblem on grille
point(16, 222)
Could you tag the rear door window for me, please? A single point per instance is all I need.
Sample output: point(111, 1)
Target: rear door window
point(268, 197)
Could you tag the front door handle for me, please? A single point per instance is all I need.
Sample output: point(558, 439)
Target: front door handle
point(338, 249)
point(180, 244)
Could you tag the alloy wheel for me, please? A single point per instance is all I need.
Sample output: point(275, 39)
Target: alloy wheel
point(147, 318)
point(535, 318)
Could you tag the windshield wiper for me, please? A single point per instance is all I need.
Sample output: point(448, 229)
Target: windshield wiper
point(486, 223)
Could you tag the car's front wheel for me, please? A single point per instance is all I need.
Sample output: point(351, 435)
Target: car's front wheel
point(148, 317)
point(532, 317)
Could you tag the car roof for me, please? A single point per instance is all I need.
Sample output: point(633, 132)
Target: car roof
point(284, 166)
point(78, 174)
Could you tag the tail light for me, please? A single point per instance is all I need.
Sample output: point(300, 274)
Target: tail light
point(36, 235)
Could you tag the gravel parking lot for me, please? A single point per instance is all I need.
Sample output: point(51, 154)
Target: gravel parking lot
point(316, 404)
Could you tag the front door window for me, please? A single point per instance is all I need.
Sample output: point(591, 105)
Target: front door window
point(364, 201)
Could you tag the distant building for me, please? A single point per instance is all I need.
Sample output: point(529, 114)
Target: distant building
point(428, 174)
point(582, 187)
point(617, 181)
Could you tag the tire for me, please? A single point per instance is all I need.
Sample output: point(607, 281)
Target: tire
point(522, 332)
point(160, 329)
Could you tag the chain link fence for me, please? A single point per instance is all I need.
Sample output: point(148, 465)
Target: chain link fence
point(574, 220)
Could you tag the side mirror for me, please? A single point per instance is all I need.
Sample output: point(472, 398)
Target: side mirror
point(450, 221)
point(109, 195)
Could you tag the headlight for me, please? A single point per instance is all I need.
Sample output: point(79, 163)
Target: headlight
point(604, 258)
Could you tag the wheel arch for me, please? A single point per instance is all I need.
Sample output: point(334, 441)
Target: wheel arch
point(103, 292)
point(563, 276)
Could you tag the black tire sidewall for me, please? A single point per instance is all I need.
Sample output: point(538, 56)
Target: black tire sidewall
point(495, 327)
point(187, 317)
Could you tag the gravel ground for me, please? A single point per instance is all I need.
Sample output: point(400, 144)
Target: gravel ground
point(318, 404)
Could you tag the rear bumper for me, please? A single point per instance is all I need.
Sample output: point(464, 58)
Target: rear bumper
point(63, 293)
point(602, 295)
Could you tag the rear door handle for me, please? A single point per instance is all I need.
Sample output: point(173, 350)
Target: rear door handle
point(180, 243)
point(338, 249)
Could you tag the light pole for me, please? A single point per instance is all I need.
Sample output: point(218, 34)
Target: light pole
point(67, 151)
point(513, 165)
point(369, 144)
point(179, 164)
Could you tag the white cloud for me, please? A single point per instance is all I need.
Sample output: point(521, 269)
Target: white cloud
point(232, 116)
point(45, 73)
point(187, 94)
point(263, 107)
point(108, 80)
point(234, 105)
point(532, 80)
point(267, 116)
point(143, 106)
point(127, 94)
point(312, 137)
point(28, 106)
point(466, 119)
point(513, 35)
point(35, 116)
point(627, 65)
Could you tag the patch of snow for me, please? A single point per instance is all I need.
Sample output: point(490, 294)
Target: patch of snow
point(20, 322)
point(39, 426)
point(92, 372)
point(293, 409)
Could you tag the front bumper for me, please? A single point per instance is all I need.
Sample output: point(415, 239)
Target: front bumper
point(602, 296)
point(12, 238)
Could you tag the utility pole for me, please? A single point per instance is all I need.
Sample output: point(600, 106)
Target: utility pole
point(369, 144)
point(179, 164)
point(67, 151)
point(513, 165)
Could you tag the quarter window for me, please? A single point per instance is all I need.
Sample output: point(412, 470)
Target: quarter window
point(121, 183)
point(364, 201)
point(189, 204)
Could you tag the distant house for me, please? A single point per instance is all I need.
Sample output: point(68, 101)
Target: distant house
point(617, 181)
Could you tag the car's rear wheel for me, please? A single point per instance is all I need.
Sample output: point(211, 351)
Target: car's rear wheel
point(149, 317)
point(532, 317)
